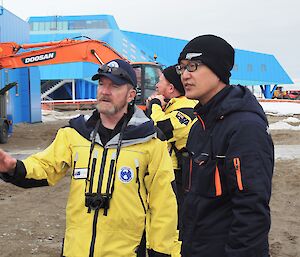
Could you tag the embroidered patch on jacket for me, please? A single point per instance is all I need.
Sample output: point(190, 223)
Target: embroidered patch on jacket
point(80, 173)
point(126, 174)
point(182, 119)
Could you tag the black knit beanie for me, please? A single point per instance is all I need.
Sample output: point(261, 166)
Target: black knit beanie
point(172, 76)
point(214, 52)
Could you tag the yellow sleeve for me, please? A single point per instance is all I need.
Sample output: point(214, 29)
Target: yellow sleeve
point(52, 163)
point(157, 113)
point(175, 125)
point(162, 200)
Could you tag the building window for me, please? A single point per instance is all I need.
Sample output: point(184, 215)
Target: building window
point(263, 68)
point(34, 26)
point(235, 67)
point(62, 25)
point(77, 25)
point(97, 24)
point(91, 24)
point(69, 25)
point(249, 68)
point(53, 25)
point(46, 25)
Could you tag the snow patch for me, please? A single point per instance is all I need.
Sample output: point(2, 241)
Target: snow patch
point(280, 108)
point(281, 125)
point(292, 120)
point(287, 152)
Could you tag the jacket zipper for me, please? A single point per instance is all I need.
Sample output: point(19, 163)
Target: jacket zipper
point(237, 167)
point(190, 175)
point(139, 184)
point(96, 214)
point(191, 160)
point(201, 121)
point(218, 185)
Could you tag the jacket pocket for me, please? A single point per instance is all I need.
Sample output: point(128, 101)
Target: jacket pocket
point(205, 176)
point(244, 173)
point(238, 174)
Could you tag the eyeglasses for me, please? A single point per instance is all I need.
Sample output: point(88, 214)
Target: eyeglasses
point(191, 67)
point(116, 71)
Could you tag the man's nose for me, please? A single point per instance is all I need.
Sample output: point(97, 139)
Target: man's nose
point(185, 74)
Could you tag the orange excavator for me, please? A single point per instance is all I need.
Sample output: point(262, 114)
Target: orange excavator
point(72, 50)
point(13, 55)
point(65, 51)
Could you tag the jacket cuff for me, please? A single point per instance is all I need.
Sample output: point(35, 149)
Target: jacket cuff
point(155, 101)
point(149, 109)
point(18, 177)
point(16, 174)
point(20, 171)
point(153, 253)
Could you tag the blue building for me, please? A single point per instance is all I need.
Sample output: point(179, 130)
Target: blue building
point(251, 68)
point(72, 80)
point(23, 101)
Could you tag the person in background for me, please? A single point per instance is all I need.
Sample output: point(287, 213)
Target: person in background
point(230, 158)
point(119, 169)
point(174, 115)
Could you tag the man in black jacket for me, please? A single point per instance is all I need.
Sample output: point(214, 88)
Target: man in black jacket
point(229, 158)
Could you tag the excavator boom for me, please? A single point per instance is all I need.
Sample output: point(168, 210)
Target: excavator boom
point(13, 55)
point(65, 51)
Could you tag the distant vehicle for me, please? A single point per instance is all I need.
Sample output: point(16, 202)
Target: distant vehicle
point(293, 94)
point(5, 122)
point(279, 93)
point(4, 128)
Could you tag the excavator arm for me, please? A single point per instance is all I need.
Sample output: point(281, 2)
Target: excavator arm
point(65, 51)
point(13, 55)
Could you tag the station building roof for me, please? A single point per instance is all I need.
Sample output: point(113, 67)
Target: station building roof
point(251, 68)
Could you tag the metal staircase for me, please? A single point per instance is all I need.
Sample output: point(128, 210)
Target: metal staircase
point(51, 86)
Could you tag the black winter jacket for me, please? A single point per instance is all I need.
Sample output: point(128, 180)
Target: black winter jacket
point(228, 172)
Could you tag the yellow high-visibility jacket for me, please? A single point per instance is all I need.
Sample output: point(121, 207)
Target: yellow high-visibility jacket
point(175, 121)
point(141, 183)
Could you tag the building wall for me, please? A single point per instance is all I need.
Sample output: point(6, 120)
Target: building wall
point(251, 68)
point(22, 101)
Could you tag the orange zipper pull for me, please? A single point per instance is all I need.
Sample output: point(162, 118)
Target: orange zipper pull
point(237, 166)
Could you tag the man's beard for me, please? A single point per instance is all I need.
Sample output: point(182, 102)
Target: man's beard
point(111, 110)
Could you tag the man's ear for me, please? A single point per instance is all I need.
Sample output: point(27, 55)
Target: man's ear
point(131, 95)
point(172, 88)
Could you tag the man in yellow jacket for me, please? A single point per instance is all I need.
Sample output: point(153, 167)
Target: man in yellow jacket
point(120, 171)
point(173, 114)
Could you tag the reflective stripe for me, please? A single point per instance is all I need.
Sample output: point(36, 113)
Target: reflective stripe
point(237, 166)
point(218, 182)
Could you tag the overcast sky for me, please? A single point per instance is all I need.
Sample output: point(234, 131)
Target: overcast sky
point(267, 26)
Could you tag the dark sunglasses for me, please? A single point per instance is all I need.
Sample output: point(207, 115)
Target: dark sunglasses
point(116, 71)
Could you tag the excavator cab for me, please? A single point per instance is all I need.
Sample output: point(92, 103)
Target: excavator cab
point(147, 76)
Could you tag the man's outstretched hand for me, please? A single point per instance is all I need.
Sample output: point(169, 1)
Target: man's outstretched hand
point(7, 163)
